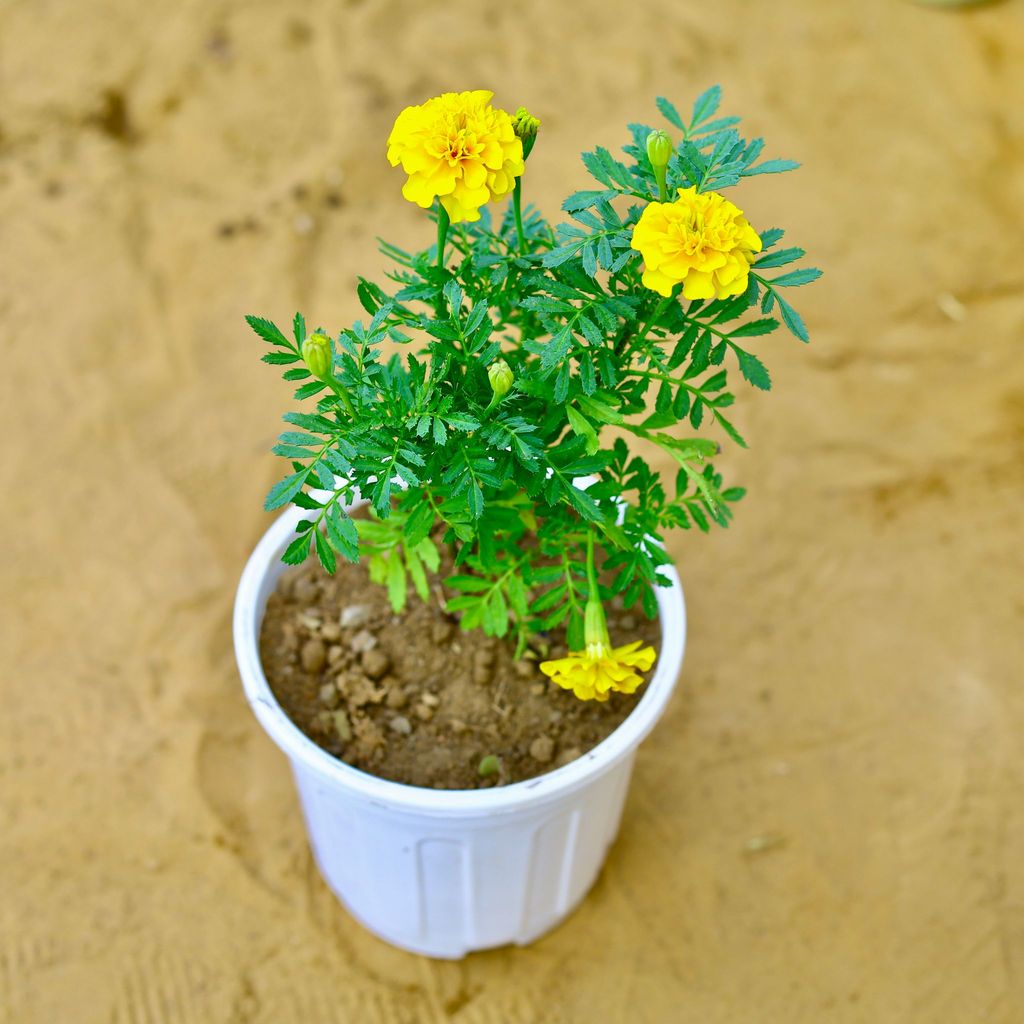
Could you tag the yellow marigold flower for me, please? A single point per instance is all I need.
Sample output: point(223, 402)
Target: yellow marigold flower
point(701, 240)
point(592, 678)
point(593, 673)
point(458, 148)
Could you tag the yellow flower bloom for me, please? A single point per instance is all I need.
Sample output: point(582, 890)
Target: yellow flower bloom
point(701, 240)
point(458, 148)
point(592, 675)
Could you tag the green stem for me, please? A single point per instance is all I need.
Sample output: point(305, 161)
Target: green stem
point(517, 207)
point(591, 569)
point(659, 176)
point(443, 222)
point(342, 394)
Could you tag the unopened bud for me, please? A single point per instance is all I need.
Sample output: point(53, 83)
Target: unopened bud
point(525, 126)
point(316, 351)
point(500, 374)
point(659, 152)
point(659, 148)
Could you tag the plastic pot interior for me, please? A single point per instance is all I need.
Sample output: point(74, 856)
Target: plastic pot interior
point(258, 582)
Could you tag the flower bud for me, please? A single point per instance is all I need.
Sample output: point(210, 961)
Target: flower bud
point(525, 126)
point(316, 351)
point(659, 148)
point(500, 374)
point(659, 152)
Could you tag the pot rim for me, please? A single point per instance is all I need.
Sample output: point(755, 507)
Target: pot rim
point(248, 617)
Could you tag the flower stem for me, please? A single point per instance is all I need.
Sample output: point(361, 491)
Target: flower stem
point(443, 221)
point(659, 176)
point(591, 570)
point(517, 207)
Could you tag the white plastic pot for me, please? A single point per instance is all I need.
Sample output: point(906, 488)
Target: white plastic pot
point(446, 872)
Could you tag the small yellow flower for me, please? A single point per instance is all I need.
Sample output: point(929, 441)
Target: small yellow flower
point(458, 148)
point(701, 240)
point(593, 673)
point(592, 678)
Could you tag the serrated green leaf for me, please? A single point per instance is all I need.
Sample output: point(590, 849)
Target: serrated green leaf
point(298, 550)
point(395, 581)
point(669, 112)
point(284, 490)
point(753, 370)
point(267, 330)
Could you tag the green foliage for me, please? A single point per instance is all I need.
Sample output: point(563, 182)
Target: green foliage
point(407, 416)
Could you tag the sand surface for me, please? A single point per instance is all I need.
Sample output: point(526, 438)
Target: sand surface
point(829, 823)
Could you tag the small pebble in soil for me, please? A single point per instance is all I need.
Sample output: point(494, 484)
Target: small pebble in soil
point(542, 749)
point(308, 621)
point(353, 616)
point(525, 669)
point(401, 725)
point(375, 663)
point(537, 689)
point(430, 699)
point(331, 632)
point(334, 653)
point(396, 698)
point(457, 726)
point(363, 641)
point(342, 726)
point(329, 695)
point(568, 756)
point(314, 654)
point(424, 712)
point(440, 631)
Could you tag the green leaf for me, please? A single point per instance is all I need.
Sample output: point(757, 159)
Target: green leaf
point(779, 258)
point(396, 585)
point(795, 278)
point(299, 328)
point(771, 167)
point(416, 573)
point(283, 491)
point(324, 552)
point(755, 327)
point(706, 105)
point(280, 358)
point(267, 330)
point(582, 427)
point(343, 534)
point(296, 552)
point(475, 500)
point(669, 112)
point(753, 370)
point(792, 319)
point(419, 523)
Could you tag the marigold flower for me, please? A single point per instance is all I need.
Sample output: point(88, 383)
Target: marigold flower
point(459, 149)
point(594, 672)
point(701, 240)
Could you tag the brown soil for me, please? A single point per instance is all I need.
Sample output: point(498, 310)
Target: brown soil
point(411, 697)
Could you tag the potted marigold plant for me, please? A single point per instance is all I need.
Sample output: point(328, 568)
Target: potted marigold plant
point(466, 622)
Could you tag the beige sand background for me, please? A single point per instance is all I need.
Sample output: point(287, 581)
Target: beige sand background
point(829, 823)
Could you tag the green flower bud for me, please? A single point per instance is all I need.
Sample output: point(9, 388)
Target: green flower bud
point(500, 374)
point(316, 351)
point(659, 148)
point(525, 126)
point(659, 152)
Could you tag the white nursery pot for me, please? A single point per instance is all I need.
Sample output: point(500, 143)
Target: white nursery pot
point(446, 872)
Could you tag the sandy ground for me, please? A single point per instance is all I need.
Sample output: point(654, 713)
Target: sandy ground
point(828, 826)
